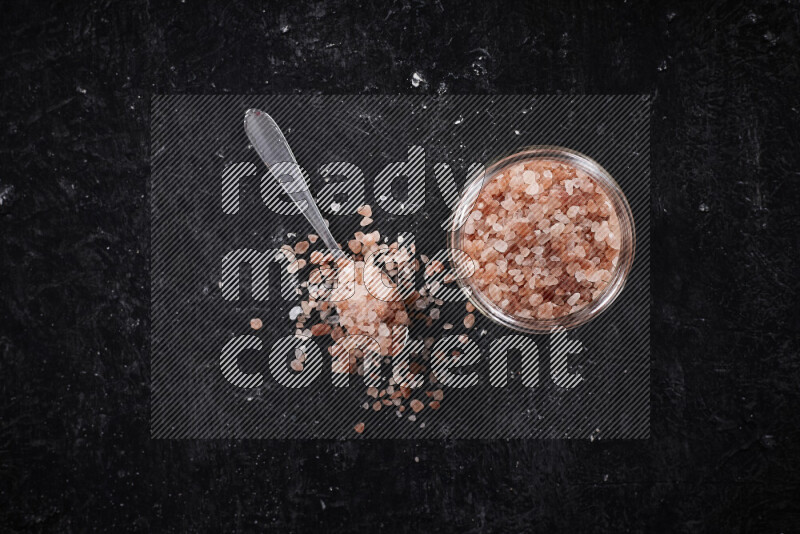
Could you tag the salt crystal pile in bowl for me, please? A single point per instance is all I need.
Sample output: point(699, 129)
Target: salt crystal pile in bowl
point(551, 237)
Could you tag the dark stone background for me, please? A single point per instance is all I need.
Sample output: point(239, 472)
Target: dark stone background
point(75, 452)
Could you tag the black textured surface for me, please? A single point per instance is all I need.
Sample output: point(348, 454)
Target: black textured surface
point(75, 453)
point(196, 138)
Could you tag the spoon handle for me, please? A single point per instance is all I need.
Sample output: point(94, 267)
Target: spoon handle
point(271, 146)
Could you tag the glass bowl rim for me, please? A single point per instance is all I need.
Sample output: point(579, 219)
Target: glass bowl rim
point(621, 207)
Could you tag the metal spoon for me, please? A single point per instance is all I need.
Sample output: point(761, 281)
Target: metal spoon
point(271, 146)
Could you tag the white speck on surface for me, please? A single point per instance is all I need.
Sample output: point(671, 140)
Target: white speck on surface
point(516, 132)
point(81, 90)
point(703, 207)
point(5, 192)
point(417, 79)
point(459, 120)
point(336, 206)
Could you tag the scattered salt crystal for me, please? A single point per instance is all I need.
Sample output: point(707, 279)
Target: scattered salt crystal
point(320, 329)
point(371, 238)
point(469, 320)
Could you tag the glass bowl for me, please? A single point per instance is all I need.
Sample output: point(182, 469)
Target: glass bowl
point(601, 178)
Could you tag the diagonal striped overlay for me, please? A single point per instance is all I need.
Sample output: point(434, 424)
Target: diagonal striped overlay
point(211, 198)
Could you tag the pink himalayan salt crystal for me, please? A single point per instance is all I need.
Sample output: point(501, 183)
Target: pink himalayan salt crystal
point(379, 324)
point(301, 247)
point(469, 320)
point(362, 313)
point(545, 238)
